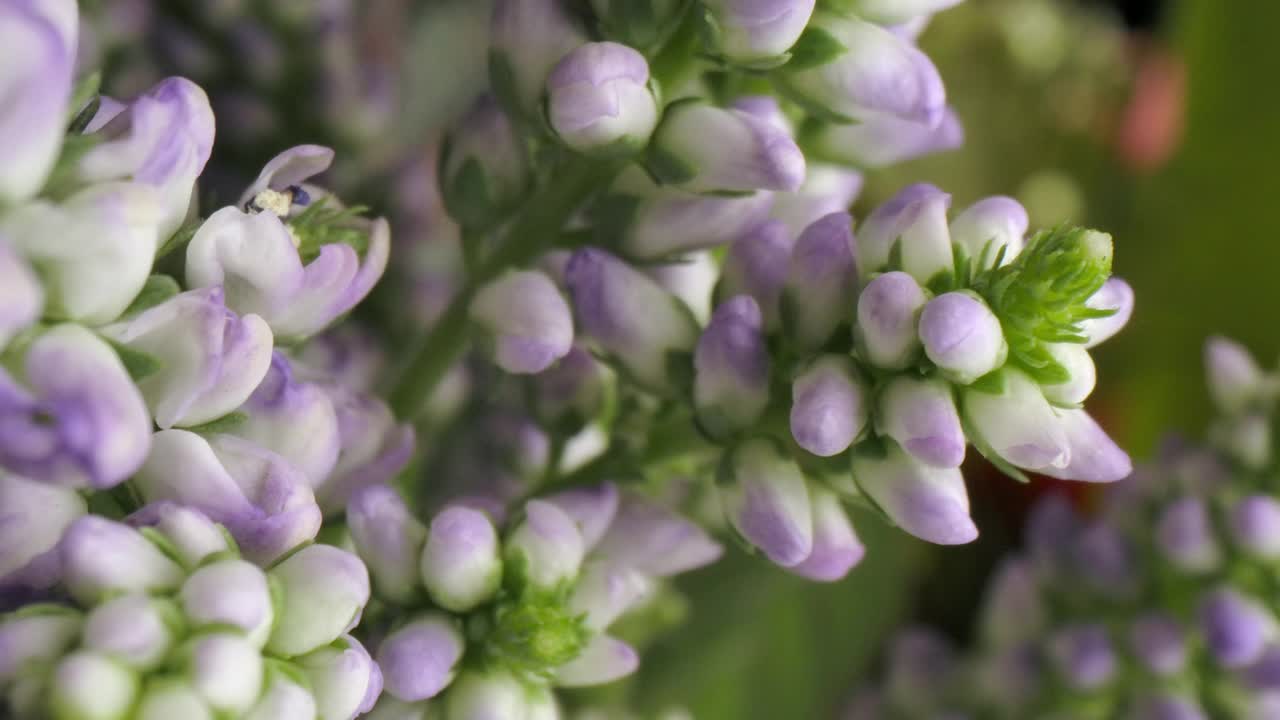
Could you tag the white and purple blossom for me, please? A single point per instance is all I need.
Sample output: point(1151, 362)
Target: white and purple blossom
point(963, 337)
point(526, 40)
point(293, 418)
point(766, 499)
point(461, 567)
point(928, 502)
point(887, 315)
point(829, 406)
point(757, 265)
point(882, 140)
point(21, 294)
point(915, 223)
point(531, 322)
point(420, 659)
point(822, 283)
point(599, 101)
point(731, 368)
point(750, 31)
point(702, 148)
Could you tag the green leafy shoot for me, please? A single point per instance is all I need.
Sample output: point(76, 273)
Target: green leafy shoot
point(320, 224)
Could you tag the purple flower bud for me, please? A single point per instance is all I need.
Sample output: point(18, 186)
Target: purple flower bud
point(163, 139)
point(531, 322)
point(226, 670)
point(35, 640)
point(374, 447)
point(35, 87)
point(265, 502)
point(1235, 380)
point(527, 38)
point(731, 366)
point(827, 189)
point(1236, 629)
point(136, 629)
point(766, 499)
point(876, 74)
point(32, 521)
point(1166, 706)
point(920, 663)
point(101, 557)
point(751, 31)
point(94, 250)
point(1012, 609)
point(1095, 457)
point(21, 294)
point(345, 681)
point(350, 353)
point(1017, 423)
point(1115, 294)
point(828, 406)
point(757, 264)
point(592, 509)
point(1261, 675)
point(887, 313)
point(988, 226)
point(765, 107)
point(709, 149)
point(324, 590)
point(603, 660)
point(928, 502)
point(628, 315)
point(655, 540)
point(1160, 643)
point(962, 336)
point(484, 167)
point(460, 565)
point(191, 535)
point(283, 699)
point(895, 12)
point(605, 591)
point(598, 99)
point(211, 360)
point(822, 283)
point(89, 685)
point(1103, 558)
point(229, 593)
point(389, 540)
point(920, 415)
point(915, 220)
point(1255, 525)
point(489, 696)
point(294, 419)
point(884, 140)
point(547, 545)
point(1185, 536)
point(1084, 656)
point(836, 548)
point(420, 659)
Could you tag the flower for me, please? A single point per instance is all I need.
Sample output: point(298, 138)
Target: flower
point(920, 415)
point(21, 295)
point(883, 140)
point(766, 499)
point(888, 310)
point(460, 564)
point(33, 517)
point(701, 148)
point(598, 99)
point(928, 502)
point(822, 283)
point(526, 40)
point(749, 31)
point(293, 418)
point(828, 406)
point(420, 659)
point(757, 264)
point(324, 589)
point(731, 368)
point(963, 337)
point(914, 221)
point(530, 319)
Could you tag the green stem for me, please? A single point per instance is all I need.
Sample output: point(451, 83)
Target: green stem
point(673, 63)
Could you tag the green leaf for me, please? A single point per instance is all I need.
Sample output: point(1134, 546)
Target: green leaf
point(224, 424)
point(156, 290)
point(815, 47)
point(179, 238)
point(83, 96)
point(320, 224)
point(140, 365)
point(667, 168)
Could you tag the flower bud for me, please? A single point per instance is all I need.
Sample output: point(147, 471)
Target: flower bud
point(1083, 374)
point(191, 536)
point(887, 314)
point(32, 640)
point(731, 368)
point(526, 40)
point(828, 406)
point(756, 265)
point(629, 315)
point(460, 565)
point(21, 294)
point(766, 499)
point(226, 671)
point(1159, 642)
point(592, 509)
point(836, 548)
point(488, 696)
point(603, 660)
point(702, 148)
point(989, 226)
point(373, 446)
point(1254, 524)
point(162, 139)
point(883, 140)
point(1235, 380)
point(93, 251)
point(1017, 423)
point(920, 663)
point(135, 629)
point(389, 540)
point(754, 33)
point(531, 322)
point(894, 12)
point(420, 659)
point(1012, 610)
point(822, 283)
point(605, 591)
point(89, 686)
point(827, 189)
point(963, 337)
point(263, 501)
point(484, 169)
point(1084, 656)
point(294, 419)
point(928, 502)
point(920, 415)
point(655, 540)
point(283, 700)
point(599, 101)
point(1115, 294)
point(101, 557)
point(210, 360)
point(82, 423)
point(1236, 629)
point(35, 517)
point(1103, 558)
point(172, 699)
point(323, 590)
point(229, 593)
point(546, 545)
point(1094, 456)
point(35, 85)
point(345, 681)
point(914, 220)
point(871, 72)
point(1185, 536)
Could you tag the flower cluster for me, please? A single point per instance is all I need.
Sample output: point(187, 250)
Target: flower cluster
point(1161, 605)
point(167, 620)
